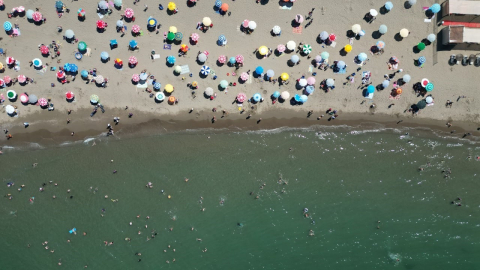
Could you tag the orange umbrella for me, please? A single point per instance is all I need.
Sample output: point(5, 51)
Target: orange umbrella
point(224, 7)
point(399, 91)
point(118, 61)
point(171, 100)
point(184, 48)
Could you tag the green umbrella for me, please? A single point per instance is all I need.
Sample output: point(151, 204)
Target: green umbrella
point(422, 104)
point(170, 36)
point(429, 87)
point(178, 36)
point(421, 46)
point(223, 83)
point(82, 46)
point(307, 49)
point(94, 98)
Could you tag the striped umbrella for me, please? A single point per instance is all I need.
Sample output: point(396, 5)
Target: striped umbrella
point(239, 58)
point(281, 48)
point(43, 102)
point(60, 74)
point(129, 13)
point(194, 37)
point(222, 38)
point(429, 87)
point(7, 26)
point(171, 59)
point(160, 96)
point(184, 48)
point(10, 60)
point(94, 99)
point(244, 76)
point(69, 95)
point(135, 28)
point(307, 49)
point(2, 83)
point(205, 70)
point(22, 78)
point(135, 78)
point(132, 60)
point(20, 9)
point(81, 12)
point(157, 86)
point(37, 16)
point(178, 36)
point(222, 59)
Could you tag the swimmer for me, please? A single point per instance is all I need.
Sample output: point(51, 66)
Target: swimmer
point(168, 246)
point(115, 171)
point(106, 196)
point(148, 217)
point(34, 165)
point(84, 233)
point(199, 239)
point(186, 179)
point(68, 191)
point(192, 228)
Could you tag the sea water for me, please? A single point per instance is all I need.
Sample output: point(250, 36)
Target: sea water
point(281, 199)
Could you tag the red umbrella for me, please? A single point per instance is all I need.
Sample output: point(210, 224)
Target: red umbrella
point(7, 79)
point(43, 102)
point(60, 74)
point(101, 24)
point(195, 37)
point(222, 59)
point(2, 82)
point(135, 28)
point(118, 61)
point(332, 37)
point(44, 50)
point(22, 78)
point(132, 60)
point(135, 78)
point(37, 16)
point(69, 95)
point(241, 97)
point(10, 60)
point(239, 58)
point(129, 13)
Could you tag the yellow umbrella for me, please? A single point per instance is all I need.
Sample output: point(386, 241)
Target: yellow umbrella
point(169, 88)
point(404, 33)
point(348, 48)
point(263, 50)
point(207, 21)
point(178, 69)
point(194, 84)
point(1, 65)
point(172, 6)
point(172, 29)
point(284, 76)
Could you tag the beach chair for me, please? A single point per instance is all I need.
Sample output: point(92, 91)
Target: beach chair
point(113, 44)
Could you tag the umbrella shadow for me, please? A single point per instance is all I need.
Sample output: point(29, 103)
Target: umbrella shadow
point(398, 37)
point(177, 42)
point(206, 96)
point(264, 2)
point(426, 42)
point(284, 4)
point(383, 10)
point(13, 99)
point(200, 62)
point(295, 23)
point(240, 81)
point(342, 52)
point(220, 88)
point(158, 101)
point(277, 53)
point(298, 86)
point(293, 102)
point(190, 4)
point(201, 75)
point(415, 49)
point(319, 40)
point(38, 23)
point(100, 30)
point(350, 34)
point(69, 40)
point(259, 56)
point(129, 19)
point(105, 60)
point(192, 42)
point(134, 82)
point(220, 64)
point(407, 5)
point(290, 63)
point(69, 100)
point(376, 34)
point(81, 18)
point(176, 74)
point(169, 64)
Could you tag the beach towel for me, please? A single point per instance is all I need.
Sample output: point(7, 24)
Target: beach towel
point(167, 47)
point(396, 97)
point(89, 51)
point(155, 56)
point(185, 69)
point(297, 30)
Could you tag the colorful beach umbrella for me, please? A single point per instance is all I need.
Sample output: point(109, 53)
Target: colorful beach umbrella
point(69, 95)
point(135, 78)
point(332, 37)
point(311, 80)
point(257, 97)
point(347, 48)
point(362, 57)
point(157, 86)
point(224, 7)
point(222, 59)
point(341, 64)
point(169, 88)
point(133, 44)
point(309, 89)
point(270, 73)
point(429, 87)
point(84, 73)
point(132, 60)
point(171, 6)
point(239, 58)
point(81, 12)
point(152, 22)
point(60, 74)
point(99, 79)
point(388, 5)
point(241, 97)
point(11, 94)
point(285, 95)
point(43, 102)
point(244, 76)
point(44, 50)
point(284, 76)
point(232, 60)
point(299, 18)
point(7, 26)
point(222, 38)
point(171, 59)
point(104, 56)
point(323, 35)
point(218, 3)
point(135, 28)
point(23, 98)
point(281, 48)
point(194, 37)
point(82, 46)
point(118, 62)
point(435, 8)
point(205, 70)
point(178, 36)
point(259, 70)
point(325, 55)
point(94, 99)
point(422, 59)
point(59, 5)
point(7, 79)
point(263, 50)
point(307, 49)
point(370, 89)
point(170, 36)
point(103, 4)
point(224, 83)
point(421, 46)
point(276, 94)
point(37, 16)
point(73, 68)
point(101, 24)
point(383, 29)
point(160, 96)
point(129, 13)
point(380, 44)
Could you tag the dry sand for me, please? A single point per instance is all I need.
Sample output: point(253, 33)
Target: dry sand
point(331, 16)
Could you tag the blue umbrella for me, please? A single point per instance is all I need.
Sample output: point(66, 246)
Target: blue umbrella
point(276, 94)
point(37, 62)
point(259, 70)
point(178, 36)
point(171, 59)
point(133, 44)
point(257, 97)
point(388, 5)
point(435, 8)
point(362, 57)
point(218, 3)
point(232, 60)
point(341, 64)
point(84, 73)
point(309, 89)
point(67, 67)
point(7, 26)
point(297, 97)
point(104, 55)
point(205, 70)
point(221, 38)
point(422, 59)
point(323, 35)
point(59, 5)
point(303, 98)
point(157, 86)
point(371, 89)
point(73, 68)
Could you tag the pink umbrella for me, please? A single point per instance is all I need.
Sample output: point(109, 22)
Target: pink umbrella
point(195, 37)
point(318, 58)
point(37, 16)
point(311, 80)
point(129, 13)
point(135, 78)
point(10, 60)
point(69, 95)
point(1, 2)
point(43, 102)
point(222, 59)
point(60, 74)
point(299, 18)
point(132, 60)
point(23, 98)
point(245, 23)
point(135, 28)
point(244, 76)
point(281, 48)
point(22, 78)
point(20, 9)
point(2, 83)
point(44, 50)
point(241, 97)
point(7, 79)
point(101, 24)
point(239, 58)
point(332, 37)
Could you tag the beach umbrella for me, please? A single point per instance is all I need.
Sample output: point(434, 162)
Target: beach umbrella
point(69, 95)
point(60, 74)
point(295, 59)
point(380, 44)
point(404, 33)
point(59, 5)
point(224, 83)
point(207, 21)
point(133, 44)
point(257, 97)
point(20, 9)
point(281, 48)
point(132, 60)
point(7, 26)
point(101, 24)
point(276, 94)
point(69, 34)
point(370, 89)
point(37, 16)
point(291, 45)
point(232, 60)
point(202, 57)
point(82, 46)
point(22, 78)
point(29, 14)
point(285, 95)
point(435, 8)
point(341, 64)
point(184, 48)
point(44, 50)
point(7, 79)
point(103, 4)
point(332, 37)
point(94, 99)
point(324, 55)
point(218, 3)
point(152, 22)
point(429, 87)
point(66, 67)
point(205, 70)
point(160, 96)
point(135, 28)
point(263, 50)
point(347, 48)
point(270, 73)
point(241, 97)
point(43, 102)
point(9, 109)
point(120, 23)
point(421, 46)
point(406, 78)
point(388, 5)
point(307, 49)
point(135, 78)
point(222, 59)
point(323, 35)
point(171, 6)
point(99, 79)
point(244, 76)
point(171, 59)
point(302, 98)
point(373, 12)
point(422, 104)
point(252, 25)
point(81, 12)
point(382, 29)
point(209, 91)
point(362, 57)
point(169, 88)
point(178, 36)
point(330, 82)
point(157, 86)
point(194, 37)
point(302, 82)
point(309, 89)
point(172, 29)
point(177, 69)
point(385, 83)
point(11, 94)
point(259, 70)
point(412, 2)
point(299, 18)
point(224, 7)
point(170, 36)
point(277, 30)
point(23, 98)
point(84, 73)
point(73, 68)
point(37, 62)
point(129, 13)
point(284, 76)
point(104, 56)
point(10, 60)
point(356, 28)
point(32, 99)
point(2, 83)
point(429, 100)
point(239, 58)
point(431, 37)
point(143, 76)
point(171, 100)
point(222, 38)
point(245, 23)
point(311, 80)
point(118, 3)
point(424, 82)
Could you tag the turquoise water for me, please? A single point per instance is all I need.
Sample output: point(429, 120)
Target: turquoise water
point(369, 206)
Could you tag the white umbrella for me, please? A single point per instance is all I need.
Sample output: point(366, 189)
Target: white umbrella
point(302, 82)
point(209, 91)
point(143, 76)
point(69, 34)
point(404, 33)
point(285, 95)
point(429, 100)
point(356, 28)
point(291, 45)
point(385, 83)
point(270, 73)
point(330, 82)
point(9, 109)
point(406, 78)
point(252, 25)
point(431, 37)
point(202, 57)
point(178, 69)
point(119, 23)
point(382, 29)
point(295, 59)
point(207, 21)
point(373, 12)
point(103, 5)
point(277, 30)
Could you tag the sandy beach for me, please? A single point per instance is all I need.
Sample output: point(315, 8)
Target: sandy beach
point(450, 81)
